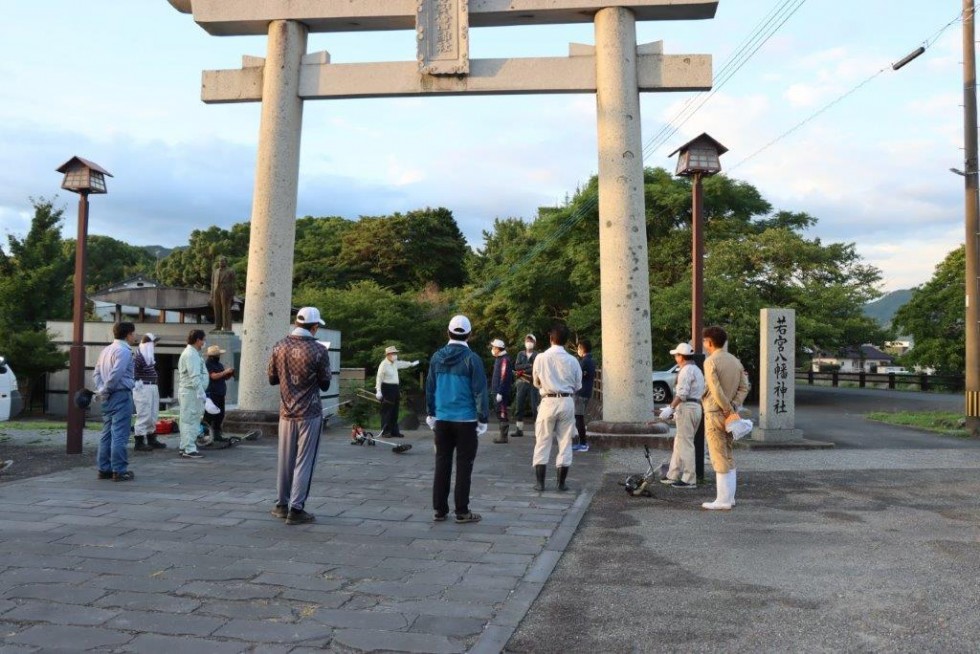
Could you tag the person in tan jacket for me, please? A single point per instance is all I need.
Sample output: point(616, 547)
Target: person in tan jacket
point(726, 387)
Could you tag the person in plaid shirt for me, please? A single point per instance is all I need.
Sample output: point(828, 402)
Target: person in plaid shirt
point(300, 367)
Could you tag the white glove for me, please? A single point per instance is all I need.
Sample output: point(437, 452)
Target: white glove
point(481, 428)
point(666, 412)
point(415, 363)
point(500, 398)
point(379, 396)
point(431, 421)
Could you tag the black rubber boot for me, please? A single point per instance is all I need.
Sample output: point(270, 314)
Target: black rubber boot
point(562, 474)
point(151, 439)
point(502, 437)
point(539, 472)
point(141, 445)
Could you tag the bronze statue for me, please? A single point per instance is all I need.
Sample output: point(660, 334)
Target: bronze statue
point(222, 295)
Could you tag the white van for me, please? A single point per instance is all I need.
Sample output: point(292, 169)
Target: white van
point(10, 402)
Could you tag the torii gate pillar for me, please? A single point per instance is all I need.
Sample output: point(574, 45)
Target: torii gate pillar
point(627, 391)
point(272, 239)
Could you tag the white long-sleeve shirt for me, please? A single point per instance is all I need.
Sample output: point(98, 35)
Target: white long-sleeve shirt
point(388, 372)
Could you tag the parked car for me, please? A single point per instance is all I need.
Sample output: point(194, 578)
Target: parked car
point(663, 384)
point(10, 402)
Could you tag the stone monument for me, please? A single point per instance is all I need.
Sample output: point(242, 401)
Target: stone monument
point(616, 69)
point(777, 377)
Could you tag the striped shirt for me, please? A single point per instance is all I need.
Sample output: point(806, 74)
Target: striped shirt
point(145, 372)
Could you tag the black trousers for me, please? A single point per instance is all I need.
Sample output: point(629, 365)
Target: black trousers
point(216, 419)
point(461, 438)
point(389, 409)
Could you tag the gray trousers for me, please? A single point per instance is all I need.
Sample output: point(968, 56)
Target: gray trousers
point(299, 441)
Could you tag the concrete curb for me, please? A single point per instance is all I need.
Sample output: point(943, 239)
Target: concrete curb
point(504, 623)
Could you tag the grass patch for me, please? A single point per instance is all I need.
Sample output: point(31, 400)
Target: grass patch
point(947, 423)
point(34, 424)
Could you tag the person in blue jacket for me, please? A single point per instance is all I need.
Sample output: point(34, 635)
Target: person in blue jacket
point(500, 381)
point(458, 408)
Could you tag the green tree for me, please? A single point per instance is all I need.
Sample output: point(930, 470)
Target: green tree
point(35, 274)
point(935, 318)
point(109, 261)
point(191, 267)
point(31, 354)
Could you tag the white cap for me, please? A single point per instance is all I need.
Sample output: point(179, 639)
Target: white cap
point(498, 343)
point(460, 325)
point(308, 316)
point(683, 348)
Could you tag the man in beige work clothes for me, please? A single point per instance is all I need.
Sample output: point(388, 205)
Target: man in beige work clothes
point(725, 390)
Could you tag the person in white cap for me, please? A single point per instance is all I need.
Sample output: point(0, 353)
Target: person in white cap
point(500, 382)
point(456, 398)
point(527, 398)
point(726, 387)
point(146, 396)
point(218, 377)
point(559, 376)
point(387, 391)
point(300, 367)
point(685, 408)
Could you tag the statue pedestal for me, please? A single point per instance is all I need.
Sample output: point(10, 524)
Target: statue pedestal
point(232, 345)
point(605, 435)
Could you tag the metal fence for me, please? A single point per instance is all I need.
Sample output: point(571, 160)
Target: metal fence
point(915, 381)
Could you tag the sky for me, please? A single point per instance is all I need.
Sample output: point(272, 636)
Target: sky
point(118, 83)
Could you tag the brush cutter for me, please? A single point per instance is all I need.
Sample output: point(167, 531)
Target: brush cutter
point(360, 436)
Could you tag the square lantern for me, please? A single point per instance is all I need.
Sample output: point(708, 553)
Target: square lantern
point(83, 176)
point(699, 156)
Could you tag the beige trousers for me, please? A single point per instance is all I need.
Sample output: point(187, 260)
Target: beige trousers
point(686, 417)
point(556, 419)
point(720, 442)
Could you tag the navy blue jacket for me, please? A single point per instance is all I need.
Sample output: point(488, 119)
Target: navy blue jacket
point(503, 377)
point(588, 376)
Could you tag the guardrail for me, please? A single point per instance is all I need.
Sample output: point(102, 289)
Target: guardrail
point(890, 380)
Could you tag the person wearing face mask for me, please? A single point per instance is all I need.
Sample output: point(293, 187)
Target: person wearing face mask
point(527, 395)
point(218, 377)
point(386, 390)
point(146, 396)
point(503, 376)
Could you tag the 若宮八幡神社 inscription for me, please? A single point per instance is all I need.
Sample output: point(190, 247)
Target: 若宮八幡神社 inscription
point(780, 366)
point(442, 30)
point(777, 381)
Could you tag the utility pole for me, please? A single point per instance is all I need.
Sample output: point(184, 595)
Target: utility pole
point(972, 330)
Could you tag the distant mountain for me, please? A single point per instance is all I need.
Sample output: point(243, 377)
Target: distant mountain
point(158, 251)
point(883, 309)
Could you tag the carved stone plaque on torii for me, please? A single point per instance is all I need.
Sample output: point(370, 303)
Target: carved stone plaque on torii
point(616, 69)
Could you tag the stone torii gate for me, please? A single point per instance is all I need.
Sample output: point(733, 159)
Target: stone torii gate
point(615, 69)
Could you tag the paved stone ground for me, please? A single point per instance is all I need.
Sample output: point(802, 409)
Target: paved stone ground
point(187, 557)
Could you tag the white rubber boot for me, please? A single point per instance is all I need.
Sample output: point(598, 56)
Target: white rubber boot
point(731, 487)
point(723, 498)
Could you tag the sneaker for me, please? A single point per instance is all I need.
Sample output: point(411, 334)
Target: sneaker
point(191, 455)
point(281, 511)
point(669, 481)
point(439, 517)
point(468, 517)
point(298, 517)
point(123, 476)
point(105, 474)
point(583, 448)
point(681, 484)
point(576, 447)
